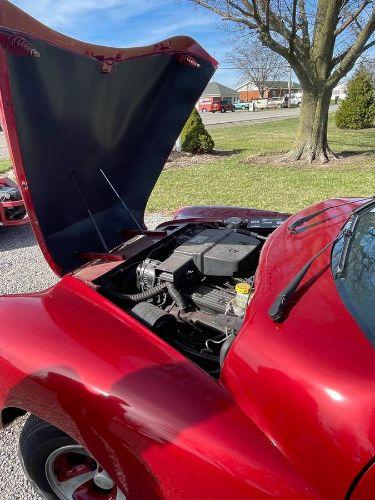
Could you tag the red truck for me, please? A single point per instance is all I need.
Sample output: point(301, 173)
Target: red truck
point(214, 104)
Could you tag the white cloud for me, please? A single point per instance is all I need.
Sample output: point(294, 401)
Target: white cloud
point(61, 14)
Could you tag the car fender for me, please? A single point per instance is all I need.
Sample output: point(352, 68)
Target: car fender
point(155, 421)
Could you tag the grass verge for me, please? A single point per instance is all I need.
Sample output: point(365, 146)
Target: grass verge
point(236, 180)
point(5, 165)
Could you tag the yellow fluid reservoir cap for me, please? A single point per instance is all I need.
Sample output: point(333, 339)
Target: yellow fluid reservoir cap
point(244, 288)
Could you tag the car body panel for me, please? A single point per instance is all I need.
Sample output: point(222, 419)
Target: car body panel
point(286, 398)
point(83, 113)
point(310, 381)
point(364, 486)
point(155, 421)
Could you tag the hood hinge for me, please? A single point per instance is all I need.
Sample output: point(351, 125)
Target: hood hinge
point(17, 45)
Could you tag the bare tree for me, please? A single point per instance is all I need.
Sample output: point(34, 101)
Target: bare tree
point(369, 65)
point(257, 65)
point(321, 40)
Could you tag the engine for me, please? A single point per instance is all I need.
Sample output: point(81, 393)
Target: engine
point(192, 288)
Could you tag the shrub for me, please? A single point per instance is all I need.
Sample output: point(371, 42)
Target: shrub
point(357, 111)
point(194, 136)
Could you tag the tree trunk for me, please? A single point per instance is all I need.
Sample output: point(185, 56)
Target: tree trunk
point(311, 143)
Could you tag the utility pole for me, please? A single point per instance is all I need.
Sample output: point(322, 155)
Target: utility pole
point(289, 84)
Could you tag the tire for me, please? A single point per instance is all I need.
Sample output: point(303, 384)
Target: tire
point(37, 441)
point(222, 110)
point(243, 107)
point(279, 106)
point(41, 447)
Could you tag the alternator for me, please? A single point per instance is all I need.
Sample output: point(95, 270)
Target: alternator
point(146, 276)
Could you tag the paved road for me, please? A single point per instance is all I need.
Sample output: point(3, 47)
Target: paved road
point(23, 269)
point(217, 119)
point(238, 117)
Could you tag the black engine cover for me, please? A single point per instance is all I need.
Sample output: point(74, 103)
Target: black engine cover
point(220, 252)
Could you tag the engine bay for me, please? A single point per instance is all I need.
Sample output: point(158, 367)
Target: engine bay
point(192, 287)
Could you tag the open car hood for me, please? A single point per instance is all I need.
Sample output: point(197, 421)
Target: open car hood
point(90, 128)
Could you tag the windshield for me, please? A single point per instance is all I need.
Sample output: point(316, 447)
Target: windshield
point(357, 284)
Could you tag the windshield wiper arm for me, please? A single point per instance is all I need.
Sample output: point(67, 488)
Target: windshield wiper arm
point(302, 220)
point(348, 234)
point(279, 306)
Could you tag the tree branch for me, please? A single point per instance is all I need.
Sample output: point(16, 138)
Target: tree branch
point(352, 18)
point(294, 28)
point(226, 14)
point(351, 54)
point(304, 23)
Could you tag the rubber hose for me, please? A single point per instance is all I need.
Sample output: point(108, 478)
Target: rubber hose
point(177, 297)
point(135, 297)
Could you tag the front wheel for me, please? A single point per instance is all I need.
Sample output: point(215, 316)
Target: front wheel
point(59, 468)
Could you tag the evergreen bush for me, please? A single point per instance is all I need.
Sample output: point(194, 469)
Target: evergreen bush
point(194, 136)
point(357, 111)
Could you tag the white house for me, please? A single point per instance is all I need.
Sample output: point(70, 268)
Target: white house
point(340, 91)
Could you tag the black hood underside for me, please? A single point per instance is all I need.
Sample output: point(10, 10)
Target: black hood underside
point(76, 123)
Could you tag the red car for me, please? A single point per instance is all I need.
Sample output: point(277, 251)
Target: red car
point(12, 208)
point(228, 354)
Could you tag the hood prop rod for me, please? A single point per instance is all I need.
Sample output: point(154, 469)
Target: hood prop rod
point(127, 209)
point(96, 227)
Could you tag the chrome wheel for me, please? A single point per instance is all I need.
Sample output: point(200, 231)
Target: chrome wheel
point(74, 475)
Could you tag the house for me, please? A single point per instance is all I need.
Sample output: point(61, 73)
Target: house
point(340, 91)
point(248, 91)
point(216, 89)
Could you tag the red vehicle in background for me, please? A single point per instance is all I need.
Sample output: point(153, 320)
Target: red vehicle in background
point(227, 354)
point(213, 104)
point(12, 208)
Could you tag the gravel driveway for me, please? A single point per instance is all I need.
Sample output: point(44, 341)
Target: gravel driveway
point(23, 269)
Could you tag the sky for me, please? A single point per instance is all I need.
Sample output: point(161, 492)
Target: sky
point(126, 23)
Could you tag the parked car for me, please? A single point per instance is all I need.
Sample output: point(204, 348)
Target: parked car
point(242, 105)
point(228, 354)
point(277, 102)
point(214, 104)
point(226, 106)
point(295, 100)
point(260, 104)
point(282, 102)
point(12, 208)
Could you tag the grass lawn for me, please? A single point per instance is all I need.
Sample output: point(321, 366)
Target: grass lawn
point(234, 180)
point(5, 165)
